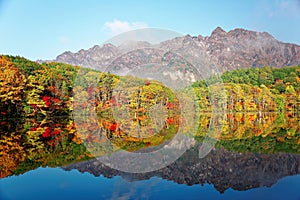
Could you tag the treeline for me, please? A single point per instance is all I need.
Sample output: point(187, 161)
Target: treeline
point(255, 89)
point(30, 89)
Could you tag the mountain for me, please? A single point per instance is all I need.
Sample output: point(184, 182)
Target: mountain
point(222, 168)
point(219, 52)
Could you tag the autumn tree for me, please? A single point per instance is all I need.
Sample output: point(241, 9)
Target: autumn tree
point(12, 83)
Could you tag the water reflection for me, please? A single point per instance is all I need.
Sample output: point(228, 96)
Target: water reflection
point(253, 149)
point(222, 168)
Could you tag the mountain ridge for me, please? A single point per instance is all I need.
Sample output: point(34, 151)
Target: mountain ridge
point(238, 48)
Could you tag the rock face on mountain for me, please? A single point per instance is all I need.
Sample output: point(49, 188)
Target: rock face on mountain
point(238, 48)
point(241, 48)
point(95, 57)
point(221, 168)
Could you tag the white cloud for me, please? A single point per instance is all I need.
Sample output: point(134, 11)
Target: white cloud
point(289, 7)
point(284, 8)
point(64, 40)
point(116, 27)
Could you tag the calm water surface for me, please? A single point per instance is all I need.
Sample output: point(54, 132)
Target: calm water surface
point(255, 157)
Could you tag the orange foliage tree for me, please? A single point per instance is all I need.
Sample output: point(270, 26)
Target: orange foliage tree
point(12, 83)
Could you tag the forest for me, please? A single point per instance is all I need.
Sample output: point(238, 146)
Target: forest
point(30, 89)
point(263, 89)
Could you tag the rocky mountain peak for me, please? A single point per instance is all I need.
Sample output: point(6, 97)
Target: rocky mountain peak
point(218, 32)
point(238, 48)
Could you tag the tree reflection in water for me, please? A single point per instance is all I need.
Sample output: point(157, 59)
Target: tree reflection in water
point(253, 149)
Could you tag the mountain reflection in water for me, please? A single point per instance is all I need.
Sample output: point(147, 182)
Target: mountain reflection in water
point(224, 169)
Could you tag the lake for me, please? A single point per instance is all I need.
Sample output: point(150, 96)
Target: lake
point(229, 156)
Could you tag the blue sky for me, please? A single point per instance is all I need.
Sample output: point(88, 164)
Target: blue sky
point(43, 29)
